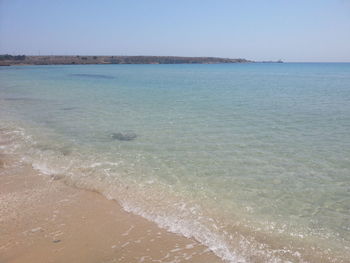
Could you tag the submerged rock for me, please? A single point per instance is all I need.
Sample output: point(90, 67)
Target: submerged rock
point(128, 136)
point(69, 108)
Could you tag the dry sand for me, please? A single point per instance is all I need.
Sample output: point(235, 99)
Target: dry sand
point(44, 220)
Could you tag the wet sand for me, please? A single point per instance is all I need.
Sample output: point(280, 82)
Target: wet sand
point(44, 220)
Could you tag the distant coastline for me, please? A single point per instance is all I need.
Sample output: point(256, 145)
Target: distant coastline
point(9, 60)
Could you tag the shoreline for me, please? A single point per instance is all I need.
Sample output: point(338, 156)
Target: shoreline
point(44, 220)
point(95, 60)
point(37, 209)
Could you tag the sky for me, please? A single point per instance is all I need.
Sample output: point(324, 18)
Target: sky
point(291, 30)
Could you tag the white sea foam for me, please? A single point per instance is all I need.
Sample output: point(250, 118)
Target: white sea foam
point(43, 168)
point(190, 230)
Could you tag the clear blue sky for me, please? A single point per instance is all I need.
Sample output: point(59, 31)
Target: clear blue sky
point(292, 30)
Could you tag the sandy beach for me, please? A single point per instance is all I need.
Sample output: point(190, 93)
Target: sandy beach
point(44, 220)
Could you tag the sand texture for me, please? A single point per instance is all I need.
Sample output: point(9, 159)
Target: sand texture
point(44, 220)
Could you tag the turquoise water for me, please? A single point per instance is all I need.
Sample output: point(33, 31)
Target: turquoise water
point(252, 160)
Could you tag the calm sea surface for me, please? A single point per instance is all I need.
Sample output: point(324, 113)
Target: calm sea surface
point(252, 160)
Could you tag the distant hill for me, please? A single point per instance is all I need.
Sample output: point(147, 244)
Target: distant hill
point(65, 60)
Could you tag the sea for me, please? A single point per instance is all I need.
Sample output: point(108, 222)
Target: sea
point(252, 160)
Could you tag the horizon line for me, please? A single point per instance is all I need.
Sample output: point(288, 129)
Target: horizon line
point(219, 57)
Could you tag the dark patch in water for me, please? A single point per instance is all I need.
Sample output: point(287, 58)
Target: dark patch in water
point(65, 151)
point(9, 67)
point(57, 177)
point(19, 99)
point(94, 76)
point(127, 136)
point(69, 108)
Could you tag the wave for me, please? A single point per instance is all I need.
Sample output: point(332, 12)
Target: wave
point(154, 200)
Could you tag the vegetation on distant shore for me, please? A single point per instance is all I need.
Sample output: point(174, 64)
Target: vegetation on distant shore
point(65, 60)
point(11, 58)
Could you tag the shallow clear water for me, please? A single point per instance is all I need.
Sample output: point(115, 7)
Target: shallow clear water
point(252, 160)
